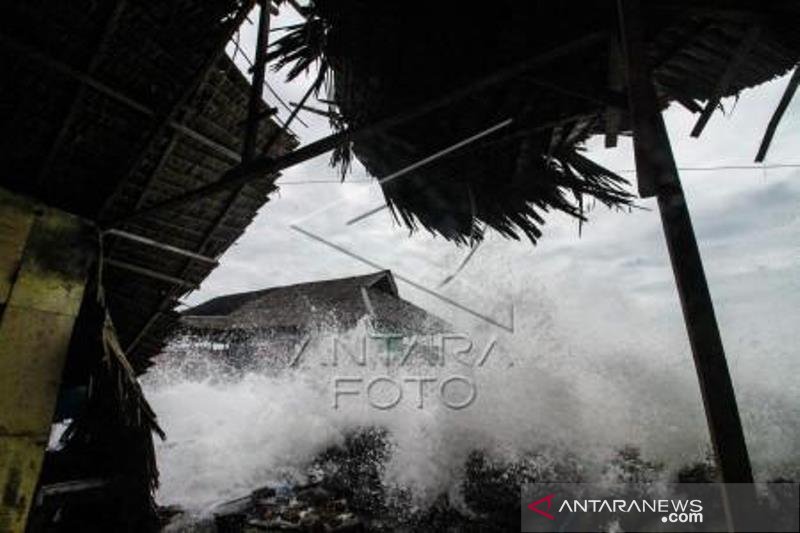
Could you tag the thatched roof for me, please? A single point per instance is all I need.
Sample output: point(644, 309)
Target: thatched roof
point(387, 57)
point(108, 107)
point(333, 305)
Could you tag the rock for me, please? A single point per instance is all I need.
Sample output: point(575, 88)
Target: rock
point(280, 524)
point(230, 523)
point(264, 493)
point(352, 525)
point(314, 496)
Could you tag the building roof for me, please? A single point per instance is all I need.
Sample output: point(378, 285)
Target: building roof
point(109, 107)
point(334, 304)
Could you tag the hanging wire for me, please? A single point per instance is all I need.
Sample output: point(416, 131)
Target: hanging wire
point(623, 171)
point(724, 167)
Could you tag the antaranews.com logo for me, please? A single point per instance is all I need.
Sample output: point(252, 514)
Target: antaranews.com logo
point(673, 511)
point(576, 507)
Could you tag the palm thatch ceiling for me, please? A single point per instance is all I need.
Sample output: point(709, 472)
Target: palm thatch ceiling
point(108, 107)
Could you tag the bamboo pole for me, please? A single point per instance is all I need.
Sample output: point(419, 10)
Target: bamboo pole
point(788, 94)
point(658, 176)
point(257, 85)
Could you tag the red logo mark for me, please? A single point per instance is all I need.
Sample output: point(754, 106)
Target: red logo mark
point(534, 506)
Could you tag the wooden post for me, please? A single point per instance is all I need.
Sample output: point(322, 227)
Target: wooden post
point(44, 255)
point(257, 85)
point(657, 175)
point(788, 94)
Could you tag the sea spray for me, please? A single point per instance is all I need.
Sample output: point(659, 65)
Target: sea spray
point(547, 394)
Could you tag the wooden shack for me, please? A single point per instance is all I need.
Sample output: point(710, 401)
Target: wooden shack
point(267, 327)
point(105, 108)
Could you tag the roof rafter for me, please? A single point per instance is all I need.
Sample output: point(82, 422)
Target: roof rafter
point(149, 273)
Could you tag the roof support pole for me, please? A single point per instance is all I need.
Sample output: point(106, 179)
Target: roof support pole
point(788, 94)
point(45, 256)
point(658, 176)
point(254, 114)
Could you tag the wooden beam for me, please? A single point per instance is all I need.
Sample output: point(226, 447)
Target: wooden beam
point(160, 245)
point(320, 112)
point(265, 165)
point(655, 162)
point(788, 94)
point(228, 153)
point(690, 104)
point(257, 85)
point(616, 82)
point(293, 115)
point(731, 69)
point(655, 166)
point(238, 50)
point(35, 331)
point(142, 332)
point(149, 273)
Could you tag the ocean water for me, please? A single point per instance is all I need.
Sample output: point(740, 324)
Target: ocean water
point(577, 378)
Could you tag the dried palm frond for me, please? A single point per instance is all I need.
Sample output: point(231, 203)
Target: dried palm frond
point(114, 432)
point(505, 183)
